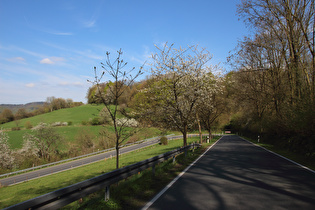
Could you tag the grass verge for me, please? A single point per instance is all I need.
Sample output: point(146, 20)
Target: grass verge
point(136, 191)
point(301, 159)
point(24, 191)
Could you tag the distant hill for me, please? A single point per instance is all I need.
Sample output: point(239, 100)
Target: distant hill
point(29, 107)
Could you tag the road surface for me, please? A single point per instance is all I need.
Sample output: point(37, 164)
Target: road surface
point(72, 164)
point(235, 174)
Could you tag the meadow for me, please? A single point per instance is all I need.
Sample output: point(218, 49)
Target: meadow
point(77, 119)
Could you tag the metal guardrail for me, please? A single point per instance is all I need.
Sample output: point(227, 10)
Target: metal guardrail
point(64, 196)
point(78, 157)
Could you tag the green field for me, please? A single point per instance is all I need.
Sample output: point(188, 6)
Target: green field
point(17, 193)
point(74, 115)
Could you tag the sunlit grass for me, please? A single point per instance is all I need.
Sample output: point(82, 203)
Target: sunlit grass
point(137, 190)
point(20, 192)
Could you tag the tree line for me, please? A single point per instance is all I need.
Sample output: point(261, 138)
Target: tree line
point(273, 81)
point(51, 104)
point(270, 93)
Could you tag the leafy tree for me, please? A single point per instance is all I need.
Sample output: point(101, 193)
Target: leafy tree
point(122, 80)
point(211, 104)
point(179, 77)
point(7, 115)
point(20, 114)
point(46, 140)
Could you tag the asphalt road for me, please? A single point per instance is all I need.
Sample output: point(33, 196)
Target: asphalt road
point(235, 174)
point(68, 165)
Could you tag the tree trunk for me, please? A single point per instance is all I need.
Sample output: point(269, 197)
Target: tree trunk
point(117, 157)
point(210, 135)
point(185, 136)
point(199, 126)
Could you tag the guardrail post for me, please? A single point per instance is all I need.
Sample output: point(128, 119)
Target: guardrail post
point(107, 192)
point(153, 169)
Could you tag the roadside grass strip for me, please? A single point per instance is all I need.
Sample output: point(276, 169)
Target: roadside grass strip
point(11, 195)
point(137, 190)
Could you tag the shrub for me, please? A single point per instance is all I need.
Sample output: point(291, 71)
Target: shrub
point(84, 122)
point(127, 122)
point(15, 128)
point(95, 121)
point(85, 140)
point(70, 123)
point(40, 126)
point(56, 124)
point(164, 140)
point(28, 125)
point(133, 139)
point(59, 124)
point(64, 124)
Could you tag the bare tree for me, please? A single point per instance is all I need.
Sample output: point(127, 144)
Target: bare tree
point(122, 80)
point(292, 24)
point(275, 71)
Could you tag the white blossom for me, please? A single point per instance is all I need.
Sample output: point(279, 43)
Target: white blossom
point(6, 154)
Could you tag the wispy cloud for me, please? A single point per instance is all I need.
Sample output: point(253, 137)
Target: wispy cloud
point(89, 24)
point(38, 91)
point(16, 60)
point(29, 52)
point(30, 85)
point(46, 61)
point(60, 33)
point(45, 30)
point(75, 84)
point(52, 60)
point(86, 53)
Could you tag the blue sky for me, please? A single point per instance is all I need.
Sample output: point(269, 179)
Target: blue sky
point(49, 48)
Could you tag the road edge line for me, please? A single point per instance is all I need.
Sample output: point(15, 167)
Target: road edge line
point(292, 161)
point(174, 180)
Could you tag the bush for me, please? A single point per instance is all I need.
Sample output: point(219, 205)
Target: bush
point(95, 121)
point(70, 123)
point(164, 140)
point(84, 122)
point(59, 124)
point(56, 124)
point(85, 139)
point(127, 122)
point(15, 128)
point(28, 125)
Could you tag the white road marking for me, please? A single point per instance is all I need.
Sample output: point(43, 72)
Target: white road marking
point(281, 156)
point(174, 180)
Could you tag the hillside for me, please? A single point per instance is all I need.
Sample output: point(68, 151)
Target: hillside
point(74, 115)
point(29, 107)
